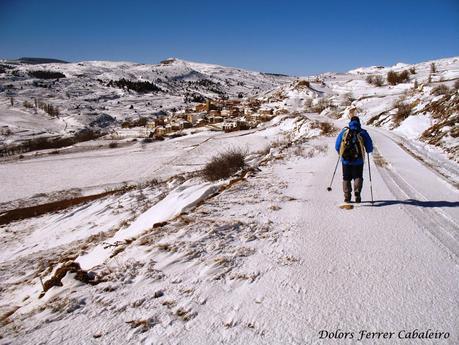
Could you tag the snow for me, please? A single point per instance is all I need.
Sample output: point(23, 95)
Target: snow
point(179, 200)
point(414, 126)
point(267, 258)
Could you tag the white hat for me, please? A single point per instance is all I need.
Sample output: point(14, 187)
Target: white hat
point(350, 111)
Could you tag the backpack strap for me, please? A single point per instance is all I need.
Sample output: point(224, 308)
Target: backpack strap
point(362, 145)
point(343, 140)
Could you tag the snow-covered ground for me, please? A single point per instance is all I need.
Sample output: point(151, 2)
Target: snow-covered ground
point(270, 259)
point(263, 257)
point(85, 96)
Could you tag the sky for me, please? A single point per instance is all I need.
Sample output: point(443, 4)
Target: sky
point(291, 37)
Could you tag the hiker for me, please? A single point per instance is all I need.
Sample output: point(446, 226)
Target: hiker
point(351, 145)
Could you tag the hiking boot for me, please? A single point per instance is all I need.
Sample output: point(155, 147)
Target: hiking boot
point(347, 198)
point(358, 199)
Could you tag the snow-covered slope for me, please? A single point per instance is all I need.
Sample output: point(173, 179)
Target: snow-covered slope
point(266, 256)
point(423, 108)
point(88, 96)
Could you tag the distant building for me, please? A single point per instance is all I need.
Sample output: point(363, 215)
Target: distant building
point(160, 131)
point(229, 126)
point(215, 119)
point(225, 112)
point(214, 113)
point(201, 107)
point(193, 118)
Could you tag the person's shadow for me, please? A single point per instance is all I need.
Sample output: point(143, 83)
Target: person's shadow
point(413, 202)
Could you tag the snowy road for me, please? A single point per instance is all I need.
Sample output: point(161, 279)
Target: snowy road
point(390, 267)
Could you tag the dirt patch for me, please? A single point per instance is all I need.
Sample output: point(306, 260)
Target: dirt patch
point(379, 160)
point(34, 211)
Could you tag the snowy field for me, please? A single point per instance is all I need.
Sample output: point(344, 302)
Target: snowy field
point(263, 257)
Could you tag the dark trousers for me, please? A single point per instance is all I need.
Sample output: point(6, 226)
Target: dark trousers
point(352, 172)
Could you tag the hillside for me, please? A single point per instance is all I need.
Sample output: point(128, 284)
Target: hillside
point(422, 109)
point(126, 240)
point(100, 95)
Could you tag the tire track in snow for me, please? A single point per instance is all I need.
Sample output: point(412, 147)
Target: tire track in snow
point(437, 223)
point(445, 169)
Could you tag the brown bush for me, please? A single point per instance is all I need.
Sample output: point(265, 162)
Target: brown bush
point(375, 80)
point(403, 111)
point(456, 84)
point(27, 104)
point(325, 127)
point(49, 108)
point(323, 104)
point(413, 70)
point(303, 83)
point(348, 98)
point(394, 78)
point(440, 90)
point(224, 164)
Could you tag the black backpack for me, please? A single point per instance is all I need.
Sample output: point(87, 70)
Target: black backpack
point(352, 149)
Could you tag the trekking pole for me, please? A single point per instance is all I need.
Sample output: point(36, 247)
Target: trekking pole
point(329, 188)
point(369, 172)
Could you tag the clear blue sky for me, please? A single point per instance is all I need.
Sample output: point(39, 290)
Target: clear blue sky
point(293, 37)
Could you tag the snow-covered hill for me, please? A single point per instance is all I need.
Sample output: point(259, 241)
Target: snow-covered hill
point(132, 244)
point(90, 94)
point(424, 108)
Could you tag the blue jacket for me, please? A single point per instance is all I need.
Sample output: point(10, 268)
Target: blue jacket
point(367, 142)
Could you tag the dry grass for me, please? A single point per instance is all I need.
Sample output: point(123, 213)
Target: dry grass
point(394, 78)
point(375, 80)
point(403, 111)
point(184, 314)
point(440, 90)
point(444, 107)
point(326, 128)
point(224, 165)
point(379, 160)
point(323, 104)
point(142, 325)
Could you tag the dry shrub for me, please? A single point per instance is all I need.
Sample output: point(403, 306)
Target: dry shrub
point(413, 70)
point(440, 90)
point(437, 132)
point(394, 78)
point(27, 104)
point(323, 104)
point(143, 325)
point(403, 111)
point(308, 104)
point(456, 84)
point(443, 108)
point(325, 127)
point(348, 98)
point(302, 84)
point(224, 164)
point(375, 80)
